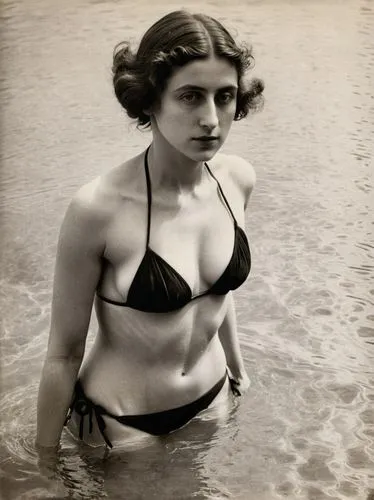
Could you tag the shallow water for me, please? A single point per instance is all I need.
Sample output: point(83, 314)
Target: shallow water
point(306, 317)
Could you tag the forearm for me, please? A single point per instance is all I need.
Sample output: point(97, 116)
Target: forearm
point(55, 394)
point(228, 336)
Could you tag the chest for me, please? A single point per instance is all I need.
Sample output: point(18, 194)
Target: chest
point(196, 238)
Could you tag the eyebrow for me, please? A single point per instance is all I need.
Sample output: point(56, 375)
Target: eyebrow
point(196, 87)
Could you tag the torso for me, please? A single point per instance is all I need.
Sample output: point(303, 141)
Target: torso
point(143, 362)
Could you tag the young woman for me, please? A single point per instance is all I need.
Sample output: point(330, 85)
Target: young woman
point(157, 244)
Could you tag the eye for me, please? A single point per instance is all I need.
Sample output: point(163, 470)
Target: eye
point(190, 97)
point(225, 97)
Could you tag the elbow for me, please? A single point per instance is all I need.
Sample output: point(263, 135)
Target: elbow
point(68, 354)
point(73, 359)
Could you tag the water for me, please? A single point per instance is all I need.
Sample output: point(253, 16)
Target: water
point(306, 317)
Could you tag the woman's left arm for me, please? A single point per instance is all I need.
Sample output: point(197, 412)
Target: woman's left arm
point(228, 336)
point(244, 177)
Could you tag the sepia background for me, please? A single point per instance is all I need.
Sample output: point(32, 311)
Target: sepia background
point(305, 430)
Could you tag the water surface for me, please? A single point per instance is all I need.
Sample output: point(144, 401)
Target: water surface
point(306, 317)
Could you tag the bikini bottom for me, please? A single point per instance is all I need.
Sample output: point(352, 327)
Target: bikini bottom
point(157, 424)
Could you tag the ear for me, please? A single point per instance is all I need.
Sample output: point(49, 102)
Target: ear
point(149, 111)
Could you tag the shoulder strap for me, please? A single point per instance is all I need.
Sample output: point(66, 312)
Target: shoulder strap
point(221, 193)
point(149, 193)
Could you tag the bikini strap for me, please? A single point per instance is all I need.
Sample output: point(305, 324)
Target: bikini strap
point(84, 406)
point(149, 194)
point(222, 194)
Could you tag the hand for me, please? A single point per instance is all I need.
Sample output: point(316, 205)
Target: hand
point(239, 385)
point(47, 460)
point(50, 469)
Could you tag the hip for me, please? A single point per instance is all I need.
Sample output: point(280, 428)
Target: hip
point(96, 426)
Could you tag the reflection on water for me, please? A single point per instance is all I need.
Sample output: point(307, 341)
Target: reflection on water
point(176, 464)
point(306, 315)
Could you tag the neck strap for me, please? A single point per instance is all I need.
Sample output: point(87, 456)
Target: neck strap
point(221, 193)
point(149, 193)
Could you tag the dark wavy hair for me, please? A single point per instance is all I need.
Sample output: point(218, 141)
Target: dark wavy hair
point(173, 41)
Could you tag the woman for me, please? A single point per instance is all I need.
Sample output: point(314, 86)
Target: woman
point(157, 244)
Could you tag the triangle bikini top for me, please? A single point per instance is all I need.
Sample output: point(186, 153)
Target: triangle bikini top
point(157, 287)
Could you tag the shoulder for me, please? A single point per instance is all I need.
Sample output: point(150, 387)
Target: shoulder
point(240, 172)
point(99, 199)
point(95, 204)
point(90, 203)
point(88, 215)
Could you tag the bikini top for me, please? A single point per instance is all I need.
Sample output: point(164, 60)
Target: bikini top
point(157, 287)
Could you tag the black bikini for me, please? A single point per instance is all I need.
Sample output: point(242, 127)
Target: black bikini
point(157, 287)
point(157, 424)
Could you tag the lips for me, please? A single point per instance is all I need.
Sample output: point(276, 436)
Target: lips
point(206, 138)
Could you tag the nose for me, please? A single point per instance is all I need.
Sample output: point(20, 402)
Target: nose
point(209, 117)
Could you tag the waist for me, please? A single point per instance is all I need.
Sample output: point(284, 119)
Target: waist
point(156, 423)
point(131, 385)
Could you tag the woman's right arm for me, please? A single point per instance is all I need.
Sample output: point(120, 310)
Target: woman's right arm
point(78, 265)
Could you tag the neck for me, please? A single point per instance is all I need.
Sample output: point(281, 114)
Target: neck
point(171, 170)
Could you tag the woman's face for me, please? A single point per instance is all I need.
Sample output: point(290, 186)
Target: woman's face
point(197, 108)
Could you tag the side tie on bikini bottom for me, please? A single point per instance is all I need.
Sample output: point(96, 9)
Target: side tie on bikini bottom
point(157, 423)
point(84, 406)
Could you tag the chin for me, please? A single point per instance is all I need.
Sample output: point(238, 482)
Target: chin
point(204, 154)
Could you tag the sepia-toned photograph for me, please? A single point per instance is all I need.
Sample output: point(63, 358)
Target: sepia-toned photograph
point(187, 250)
